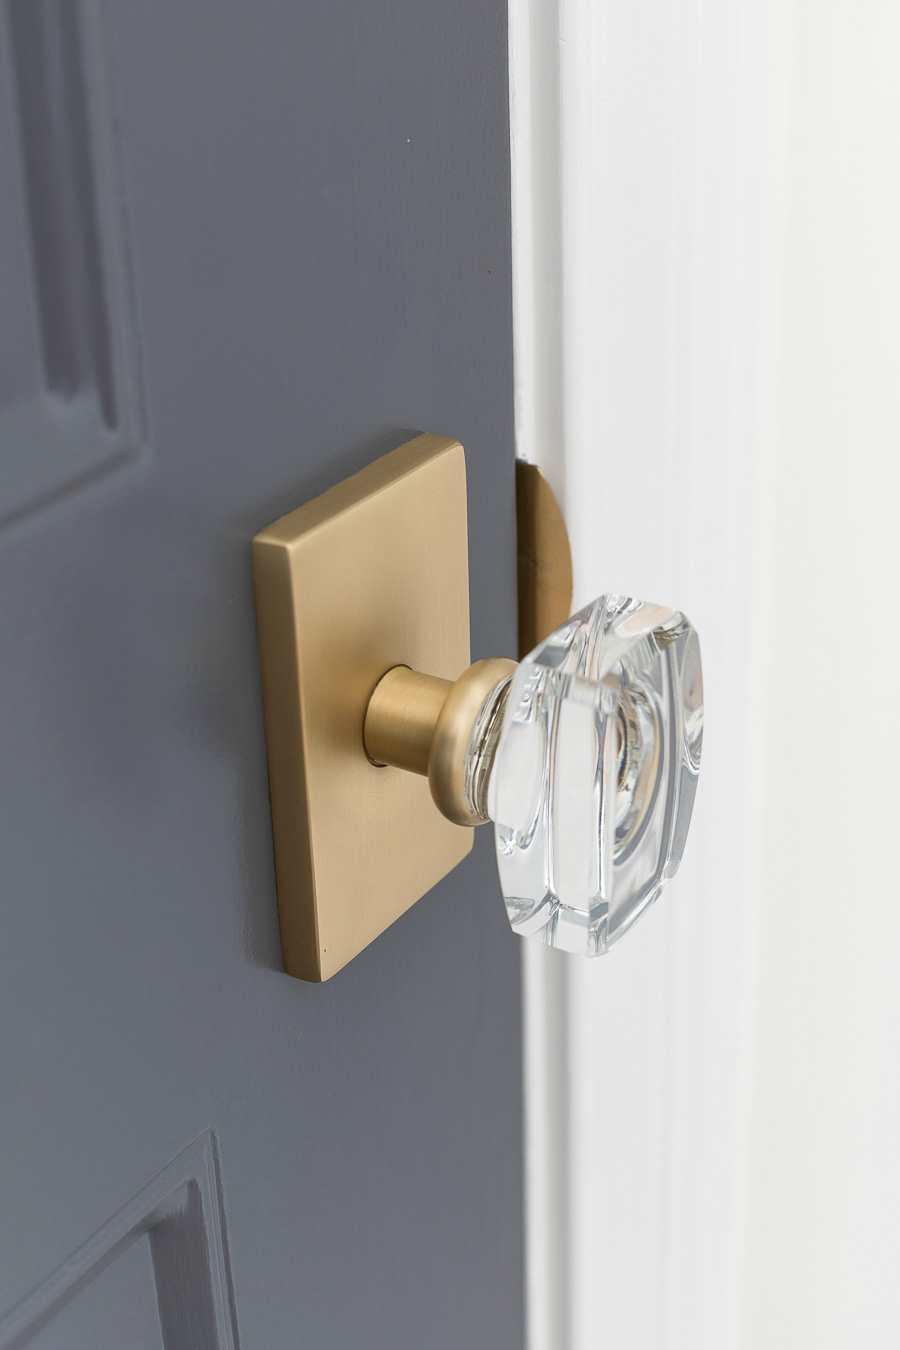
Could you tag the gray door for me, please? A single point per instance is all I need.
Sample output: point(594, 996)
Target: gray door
point(246, 248)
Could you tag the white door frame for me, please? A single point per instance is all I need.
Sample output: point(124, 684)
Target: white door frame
point(647, 171)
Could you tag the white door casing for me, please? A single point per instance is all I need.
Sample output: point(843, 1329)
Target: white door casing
point(662, 209)
point(633, 1061)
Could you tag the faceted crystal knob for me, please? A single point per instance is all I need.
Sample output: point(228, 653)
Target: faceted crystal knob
point(592, 781)
point(585, 756)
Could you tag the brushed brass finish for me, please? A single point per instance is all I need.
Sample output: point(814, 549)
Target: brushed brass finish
point(544, 558)
point(370, 575)
point(401, 718)
point(424, 725)
point(453, 732)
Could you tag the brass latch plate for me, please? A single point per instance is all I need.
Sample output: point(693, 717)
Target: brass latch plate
point(544, 558)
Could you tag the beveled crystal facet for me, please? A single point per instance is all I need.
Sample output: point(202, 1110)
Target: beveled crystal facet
point(593, 778)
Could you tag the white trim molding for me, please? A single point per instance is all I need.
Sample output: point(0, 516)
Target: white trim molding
point(647, 163)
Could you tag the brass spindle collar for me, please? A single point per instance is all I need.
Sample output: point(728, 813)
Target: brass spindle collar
point(424, 724)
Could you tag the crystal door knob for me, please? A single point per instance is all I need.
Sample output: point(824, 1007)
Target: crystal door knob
point(585, 756)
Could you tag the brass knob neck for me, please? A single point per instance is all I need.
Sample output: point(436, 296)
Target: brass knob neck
point(425, 725)
point(401, 717)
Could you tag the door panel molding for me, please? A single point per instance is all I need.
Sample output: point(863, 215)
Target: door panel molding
point(71, 407)
point(181, 1214)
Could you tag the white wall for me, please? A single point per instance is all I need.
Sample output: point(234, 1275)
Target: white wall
point(707, 249)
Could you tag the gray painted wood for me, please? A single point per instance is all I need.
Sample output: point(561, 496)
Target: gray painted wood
point(294, 255)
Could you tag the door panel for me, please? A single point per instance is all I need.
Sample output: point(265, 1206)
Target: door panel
point(70, 397)
point(309, 215)
point(156, 1274)
point(118, 1309)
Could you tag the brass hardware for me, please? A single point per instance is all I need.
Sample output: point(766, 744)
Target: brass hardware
point(423, 724)
point(370, 575)
point(357, 592)
point(544, 558)
point(401, 717)
point(363, 612)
